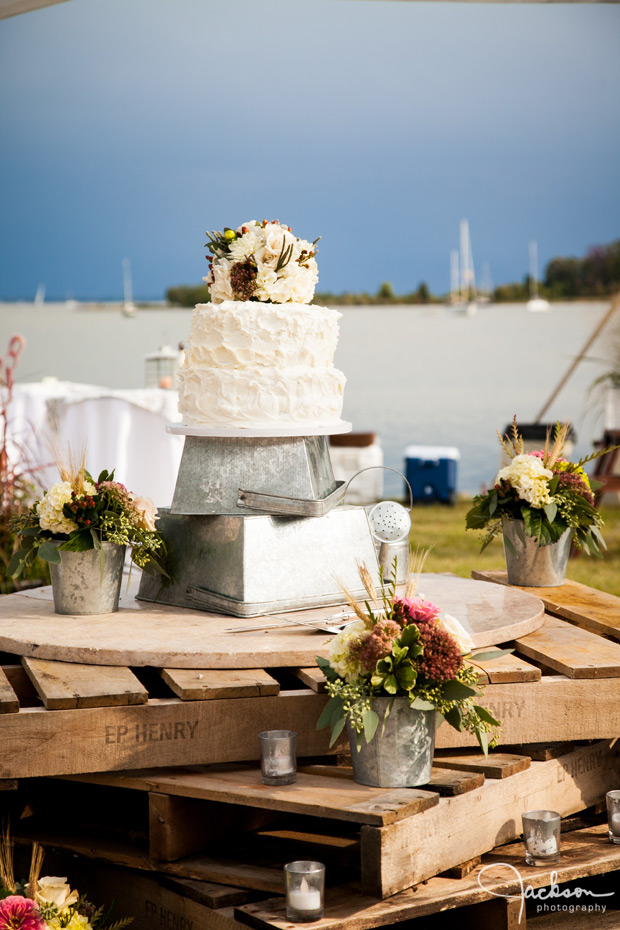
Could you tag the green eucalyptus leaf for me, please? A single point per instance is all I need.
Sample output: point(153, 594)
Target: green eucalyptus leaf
point(454, 690)
point(454, 718)
point(329, 713)
point(17, 563)
point(551, 511)
point(490, 654)
point(337, 730)
point(371, 721)
point(421, 704)
point(484, 714)
point(483, 738)
point(49, 553)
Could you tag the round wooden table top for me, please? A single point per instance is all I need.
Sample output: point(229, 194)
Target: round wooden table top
point(143, 633)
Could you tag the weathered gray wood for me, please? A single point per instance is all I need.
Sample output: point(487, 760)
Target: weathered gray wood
point(495, 765)
point(571, 651)
point(9, 703)
point(402, 854)
point(312, 795)
point(209, 684)
point(63, 685)
point(21, 685)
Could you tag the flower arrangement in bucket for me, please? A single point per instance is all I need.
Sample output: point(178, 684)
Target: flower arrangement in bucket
point(393, 674)
point(261, 261)
point(82, 527)
point(46, 902)
point(541, 503)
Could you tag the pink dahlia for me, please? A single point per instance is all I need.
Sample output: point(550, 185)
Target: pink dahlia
point(414, 611)
point(17, 913)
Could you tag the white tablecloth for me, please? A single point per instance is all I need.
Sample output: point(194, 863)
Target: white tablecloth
point(122, 429)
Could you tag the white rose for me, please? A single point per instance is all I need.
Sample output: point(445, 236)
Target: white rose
point(265, 280)
point(302, 282)
point(274, 239)
point(53, 890)
point(220, 288)
point(456, 629)
point(51, 516)
point(146, 511)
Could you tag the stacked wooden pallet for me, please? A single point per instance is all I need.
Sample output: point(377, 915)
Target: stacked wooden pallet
point(210, 820)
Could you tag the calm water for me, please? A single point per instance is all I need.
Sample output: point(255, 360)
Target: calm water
point(421, 376)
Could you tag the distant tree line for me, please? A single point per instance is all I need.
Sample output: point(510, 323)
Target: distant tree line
point(595, 275)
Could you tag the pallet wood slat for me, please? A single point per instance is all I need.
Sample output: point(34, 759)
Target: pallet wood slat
point(347, 908)
point(571, 651)
point(588, 607)
point(507, 668)
point(313, 677)
point(495, 765)
point(212, 684)
point(402, 854)
point(444, 781)
point(168, 731)
point(9, 702)
point(312, 795)
point(64, 685)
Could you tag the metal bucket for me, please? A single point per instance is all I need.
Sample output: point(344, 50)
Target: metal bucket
point(400, 755)
point(81, 586)
point(531, 565)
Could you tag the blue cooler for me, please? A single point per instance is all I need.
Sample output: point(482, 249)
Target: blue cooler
point(431, 472)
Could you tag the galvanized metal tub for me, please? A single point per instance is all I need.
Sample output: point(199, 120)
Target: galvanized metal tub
point(400, 755)
point(531, 565)
point(83, 586)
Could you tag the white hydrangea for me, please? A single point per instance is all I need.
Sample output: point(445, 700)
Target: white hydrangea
point(340, 657)
point(51, 516)
point(247, 244)
point(530, 479)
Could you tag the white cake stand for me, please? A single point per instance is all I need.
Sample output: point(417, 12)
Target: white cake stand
point(179, 429)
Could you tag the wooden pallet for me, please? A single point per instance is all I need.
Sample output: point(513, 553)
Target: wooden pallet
point(390, 838)
point(562, 683)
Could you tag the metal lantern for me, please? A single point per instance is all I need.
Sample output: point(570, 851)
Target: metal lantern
point(161, 367)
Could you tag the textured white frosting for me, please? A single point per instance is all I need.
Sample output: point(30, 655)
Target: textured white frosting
point(254, 364)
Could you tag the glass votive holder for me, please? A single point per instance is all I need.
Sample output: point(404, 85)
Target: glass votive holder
point(305, 887)
point(278, 758)
point(613, 815)
point(541, 835)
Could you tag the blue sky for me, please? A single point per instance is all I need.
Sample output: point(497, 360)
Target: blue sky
point(129, 127)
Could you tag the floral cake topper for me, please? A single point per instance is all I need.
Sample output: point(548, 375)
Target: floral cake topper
point(263, 262)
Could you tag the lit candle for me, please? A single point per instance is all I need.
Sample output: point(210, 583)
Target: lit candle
point(305, 898)
point(537, 846)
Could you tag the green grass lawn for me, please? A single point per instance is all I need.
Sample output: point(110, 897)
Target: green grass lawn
point(457, 550)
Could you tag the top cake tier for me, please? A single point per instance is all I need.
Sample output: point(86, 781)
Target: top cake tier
point(259, 356)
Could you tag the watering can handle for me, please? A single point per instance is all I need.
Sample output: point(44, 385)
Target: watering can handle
point(387, 468)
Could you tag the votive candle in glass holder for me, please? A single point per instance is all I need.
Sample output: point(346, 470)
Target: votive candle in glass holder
point(278, 759)
point(541, 835)
point(305, 886)
point(613, 815)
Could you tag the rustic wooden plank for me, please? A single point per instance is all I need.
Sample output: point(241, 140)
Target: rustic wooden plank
point(220, 870)
point(348, 908)
point(153, 901)
point(450, 782)
point(63, 685)
point(312, 795)
point(495, 765)
point(402, 854)
point(165, 731)
point(541, 752)
point(22, 686)
point(180, 826)
point(9, 702)
point(507, 668)
point(463, 868)
point(9, 784)
point(208, 893)
point(588, 607)
point(313, 677)
point(571, 651)
point(211, 684)
point(579, 920)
